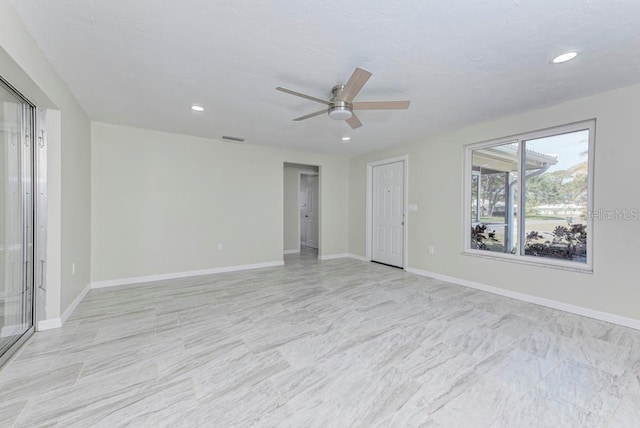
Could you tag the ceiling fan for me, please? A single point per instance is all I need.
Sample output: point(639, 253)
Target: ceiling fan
point(341, 104)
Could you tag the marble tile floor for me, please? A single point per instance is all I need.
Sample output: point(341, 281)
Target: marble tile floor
point(334, 343)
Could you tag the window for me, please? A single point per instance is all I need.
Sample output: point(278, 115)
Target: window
point(528, 197)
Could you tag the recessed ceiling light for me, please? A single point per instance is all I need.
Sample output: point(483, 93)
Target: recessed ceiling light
point(346, 138)
point(564, 57)
point(197, 108)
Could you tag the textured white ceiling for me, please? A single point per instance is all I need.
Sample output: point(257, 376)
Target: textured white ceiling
point(143, 63)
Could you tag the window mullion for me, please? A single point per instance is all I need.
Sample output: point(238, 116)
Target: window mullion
point(522, 171)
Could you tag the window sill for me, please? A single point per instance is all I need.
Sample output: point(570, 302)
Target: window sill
point(532, 261)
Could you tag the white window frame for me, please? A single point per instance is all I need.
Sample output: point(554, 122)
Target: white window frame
point(520, 257)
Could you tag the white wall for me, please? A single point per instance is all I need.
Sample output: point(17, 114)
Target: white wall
point(162, 202)
point(26, 67)
point(76, 205)
point(436, 185)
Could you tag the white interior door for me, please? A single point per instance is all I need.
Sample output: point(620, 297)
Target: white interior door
point(312, 211)
point(309, 210)
point(302, 198)
point(388, 214)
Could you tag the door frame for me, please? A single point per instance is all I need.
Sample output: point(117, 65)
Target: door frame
point(302, 172)
point(369, 204)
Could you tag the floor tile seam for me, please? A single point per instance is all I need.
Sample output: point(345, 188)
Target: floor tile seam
point(15, 422)
point(35, 397)
point(562, 399)
point(517, 395)
point(12, 359)
point(495, 420)
point(124, 400)
point(217, 395)
point(172, 377)
point(605, 370)
point(17, 417)
point(613, 414)
point(282, 399)
point(21, 358)
point(77, 379)
point(615, 344)
point(560, 362)
point(599, 370)
point(510, 401)
point(466, 379)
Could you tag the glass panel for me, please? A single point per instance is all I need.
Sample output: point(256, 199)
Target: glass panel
point(556, 192)
point(494, 179)
point(16, 232)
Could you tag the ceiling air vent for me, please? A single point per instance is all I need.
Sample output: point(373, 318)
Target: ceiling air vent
point(236, 139)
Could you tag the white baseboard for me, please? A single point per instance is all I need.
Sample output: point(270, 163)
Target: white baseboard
point(554, 304)
point(292, 251)
point(333, 256)
point(53, 323)
point(49, 324)
point(72, 307)
point(343, 256)
point(177, 275)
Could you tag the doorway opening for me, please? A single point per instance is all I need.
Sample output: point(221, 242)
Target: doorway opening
point(302, 210)
point(386, 212)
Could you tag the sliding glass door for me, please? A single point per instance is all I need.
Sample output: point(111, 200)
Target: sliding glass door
point(16, 220)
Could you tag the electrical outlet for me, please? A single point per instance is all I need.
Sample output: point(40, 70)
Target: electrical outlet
point(73, 268)
point(432, 249)
point(219, 246)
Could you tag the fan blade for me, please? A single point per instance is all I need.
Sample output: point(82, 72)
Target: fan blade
point(381, 105)
point(298, 94)
point(318, 113)
point(354, 122)
point(355, 83)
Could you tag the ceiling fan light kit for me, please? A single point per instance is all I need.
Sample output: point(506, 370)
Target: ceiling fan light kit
point(341, 105)
point(340, 113)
